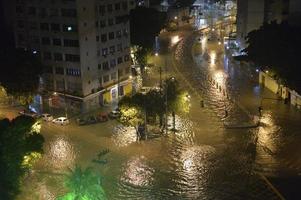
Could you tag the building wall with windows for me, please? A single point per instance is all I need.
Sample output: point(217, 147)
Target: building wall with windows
point(250, 15)
point(84, 44)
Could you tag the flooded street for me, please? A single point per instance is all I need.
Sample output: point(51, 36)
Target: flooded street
point(202, 160)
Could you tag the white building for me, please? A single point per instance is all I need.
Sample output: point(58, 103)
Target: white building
point(84, 44)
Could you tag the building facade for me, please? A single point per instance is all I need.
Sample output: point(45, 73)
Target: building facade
point(84, 46)
point(250, 16)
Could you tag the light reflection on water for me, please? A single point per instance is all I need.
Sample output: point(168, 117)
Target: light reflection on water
point(123, 136)
point(136, 172)
point(60, 153)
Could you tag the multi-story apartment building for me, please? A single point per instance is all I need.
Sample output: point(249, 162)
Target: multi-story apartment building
point(250, 15)
point(84, 46)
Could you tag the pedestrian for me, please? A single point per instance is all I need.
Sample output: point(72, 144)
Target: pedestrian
point(260, 110)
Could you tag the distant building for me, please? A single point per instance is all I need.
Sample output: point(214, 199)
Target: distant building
point(250, 16)
point(84, 44)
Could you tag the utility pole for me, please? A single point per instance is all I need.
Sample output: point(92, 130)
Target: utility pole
point(166, 110)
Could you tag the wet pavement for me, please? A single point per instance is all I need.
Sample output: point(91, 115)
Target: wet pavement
point(202, 160)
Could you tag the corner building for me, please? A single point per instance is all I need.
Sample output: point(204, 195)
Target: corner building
point(84, 46)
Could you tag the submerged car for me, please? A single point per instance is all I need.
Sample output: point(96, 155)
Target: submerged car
point(61, 121)
point(29, 113)
point(114, 114)
point(47, 117)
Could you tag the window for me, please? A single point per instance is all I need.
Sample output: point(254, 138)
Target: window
point(105, 65)
point(33, 26)
point(59, 70)
point(125, 32)
point(97, 38)
point(72, 58)
point(99, 66)
point(44, 27)
point(42, 12)
point(69, 28)
point(105, 51)
point(68, 12)
point(111, 35)
point(85, 24)
point(120, 72)
point(48, 69)
point(58, 56)
point(119, 60)
point(32, 11)
point(110, 8)
point(73, 72)
point(126, 58)
point(55, 27)
point(47, 56)
point(102, 23)
point(56, 42)
point(119, 47)
point(111, 22)
point(102, 10)
point(103, 37)
point(53, 12)
point(106, 78)
point(117, 6)
point(45, 41)
point(124, 5)
point(112, 63)
point(19, 10)
point(113, 76)
point(112, 49)
point(71, 43)
point(118, 34)
point(20, 24)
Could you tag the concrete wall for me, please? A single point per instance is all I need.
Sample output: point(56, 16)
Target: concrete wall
point(280, 90)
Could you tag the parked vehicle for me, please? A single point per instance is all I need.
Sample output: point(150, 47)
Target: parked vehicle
point(114, 114)
point(91, 120)
point(80, 122)
point(47, 117)
point(61, 121)
point(29, 113)
point(102, 117)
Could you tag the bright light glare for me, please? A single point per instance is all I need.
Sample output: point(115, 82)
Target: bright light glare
point(212, 57)
point(175, 39)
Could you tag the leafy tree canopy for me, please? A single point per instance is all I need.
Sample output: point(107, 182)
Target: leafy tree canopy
point(19, 144)
point(20, 72)
point(146, 24)
point(83, 184)
point(276, 47)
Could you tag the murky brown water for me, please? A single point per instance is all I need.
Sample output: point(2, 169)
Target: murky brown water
point(202, 160)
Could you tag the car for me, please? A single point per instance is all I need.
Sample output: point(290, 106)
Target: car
point(29, 113)
point(61, 121)
point(145, 90)
point(114, 114)
point(80, 122)
point(47, 117)
point(91, 120)
point(102, 117)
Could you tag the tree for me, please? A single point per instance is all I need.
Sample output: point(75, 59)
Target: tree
point(276, 47)
point(20, 145)
point(83, 185)
point(20, 73)
point(153, 103)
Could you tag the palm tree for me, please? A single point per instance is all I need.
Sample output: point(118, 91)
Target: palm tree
point(83, 185)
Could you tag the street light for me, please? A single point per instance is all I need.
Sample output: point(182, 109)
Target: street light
point(156, 54)
point(176, 17)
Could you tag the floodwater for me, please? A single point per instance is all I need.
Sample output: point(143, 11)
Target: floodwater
point(202, 160)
